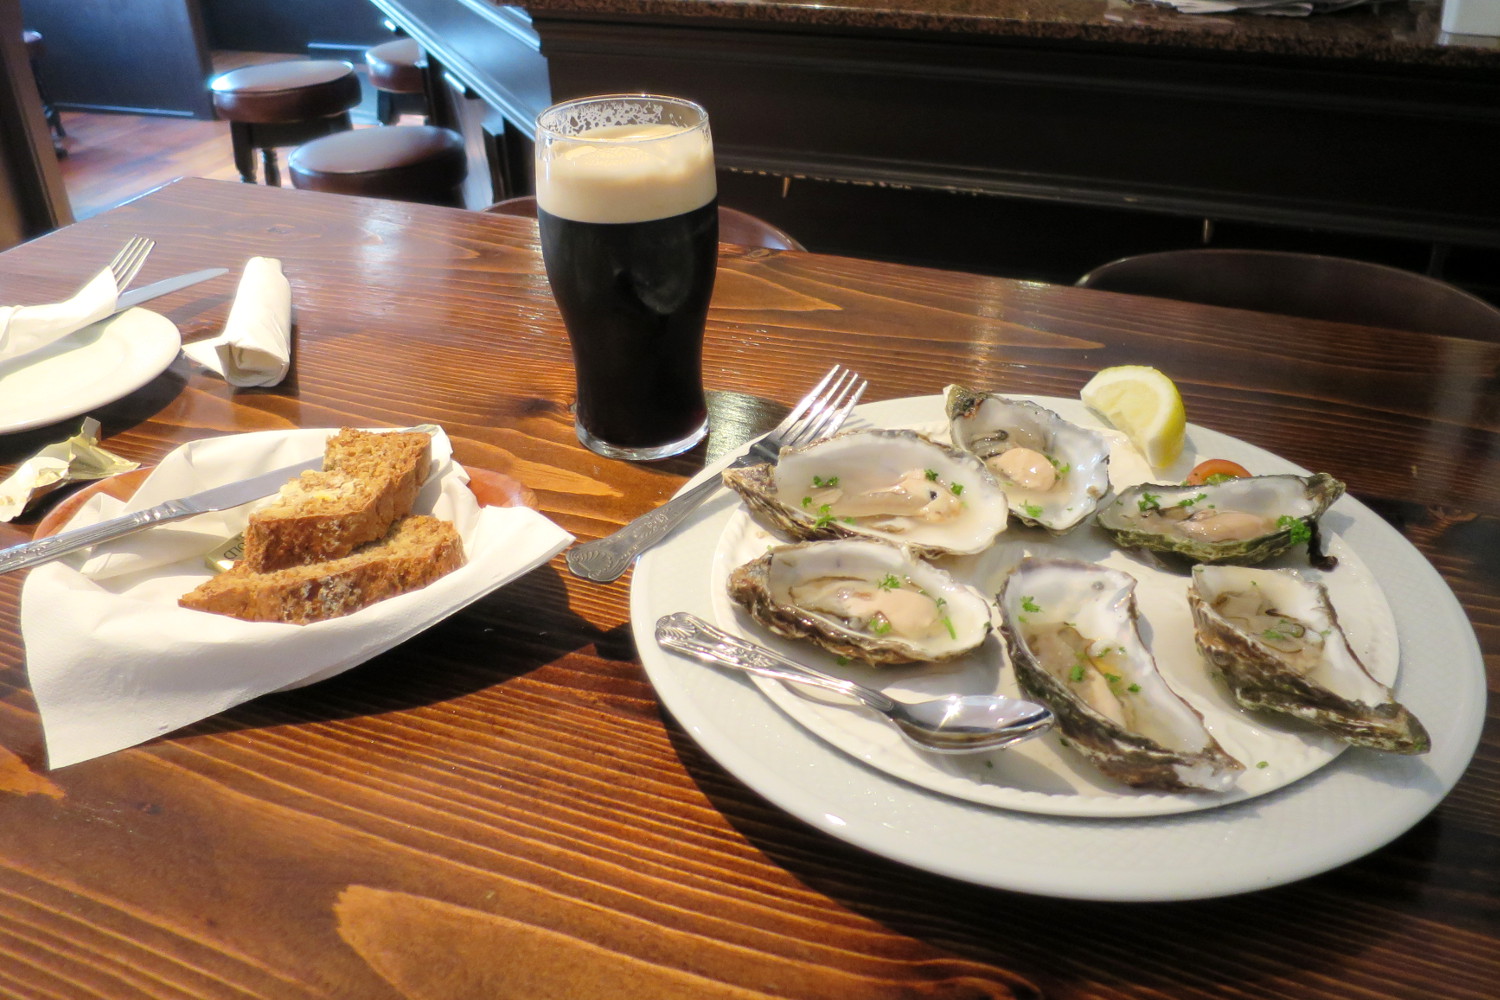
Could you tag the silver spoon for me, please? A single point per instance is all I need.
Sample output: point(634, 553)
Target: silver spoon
point(955, 724)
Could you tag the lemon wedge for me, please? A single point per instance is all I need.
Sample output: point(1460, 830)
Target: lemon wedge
point(1144, 405)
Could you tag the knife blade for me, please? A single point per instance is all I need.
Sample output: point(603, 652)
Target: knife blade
point(219, 498)
point(145, 293)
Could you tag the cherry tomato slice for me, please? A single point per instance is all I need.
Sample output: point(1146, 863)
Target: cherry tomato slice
point(1215, 467)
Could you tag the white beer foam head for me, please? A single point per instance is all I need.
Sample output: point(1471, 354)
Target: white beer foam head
point(619, 162)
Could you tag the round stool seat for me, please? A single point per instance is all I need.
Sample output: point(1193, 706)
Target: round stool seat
point(292, 91)
point(35, 48)
point(404, 162)
point(396, 67)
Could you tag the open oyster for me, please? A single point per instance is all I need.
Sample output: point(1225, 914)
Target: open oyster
point(1071, 631)
point(862, 599)
point(1054, 473)
point(895, 485)
point(1277, 640)
point(1240, 521)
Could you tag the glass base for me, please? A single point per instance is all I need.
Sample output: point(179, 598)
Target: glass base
point(600, 447)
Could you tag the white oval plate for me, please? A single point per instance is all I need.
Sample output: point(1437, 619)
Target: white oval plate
point(1336, 814)
point(1043, 776)
point(88, 368)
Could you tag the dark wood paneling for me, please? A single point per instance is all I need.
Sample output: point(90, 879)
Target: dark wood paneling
point(282, 26)
point(143, 56)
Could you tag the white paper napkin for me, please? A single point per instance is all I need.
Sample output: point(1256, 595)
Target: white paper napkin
point(24, 329)
point(256, 345)
point(114, 661)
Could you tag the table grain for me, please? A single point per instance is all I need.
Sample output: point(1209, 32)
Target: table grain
point(499, 808)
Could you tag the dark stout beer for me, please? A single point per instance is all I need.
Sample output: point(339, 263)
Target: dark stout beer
point(634, 296)
point(629, 226)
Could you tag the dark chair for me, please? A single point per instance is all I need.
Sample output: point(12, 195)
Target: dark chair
point(734, 226)
point(36, 48)
point(401, 162)
point(282, 104)
point(398, 74)
point(1305, 285)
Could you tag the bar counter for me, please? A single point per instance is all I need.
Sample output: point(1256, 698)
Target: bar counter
point(1393, 32)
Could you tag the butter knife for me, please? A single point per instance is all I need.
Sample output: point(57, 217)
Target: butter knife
point(145, 293)
point(219, 498)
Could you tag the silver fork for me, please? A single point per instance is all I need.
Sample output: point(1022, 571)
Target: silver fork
point(127, 263)
point(821, 412)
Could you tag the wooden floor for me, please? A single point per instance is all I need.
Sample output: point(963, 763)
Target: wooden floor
point(112, 158)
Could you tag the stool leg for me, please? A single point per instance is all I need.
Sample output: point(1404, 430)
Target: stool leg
point(385, 108)
point(273, 173)
point(244, 151)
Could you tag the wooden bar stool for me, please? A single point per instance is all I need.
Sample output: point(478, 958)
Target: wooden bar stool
point(398, 74)
point(1302, 284)
point(282, 104)
point(402, 162)
point(35, 49)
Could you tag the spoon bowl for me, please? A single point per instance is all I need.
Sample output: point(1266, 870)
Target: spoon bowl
point(953, 724)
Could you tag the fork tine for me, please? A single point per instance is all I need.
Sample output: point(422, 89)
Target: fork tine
point(831, 414)
point(797, 433)
point(803, 404)
point(128, 263)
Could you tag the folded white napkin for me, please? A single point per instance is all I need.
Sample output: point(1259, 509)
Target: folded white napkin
point(256, 345)
point(114, 661)
point(24, 329)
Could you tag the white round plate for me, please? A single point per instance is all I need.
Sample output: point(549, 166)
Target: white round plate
point(1336, 814)
point(1043, 776)
point(86, 369)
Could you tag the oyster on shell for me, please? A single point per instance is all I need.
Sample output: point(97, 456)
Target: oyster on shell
point(895, 485)
point(1277, 641)
point(1070, 628)
point(864, 600)
point(1054, 473)
point(1240, 521)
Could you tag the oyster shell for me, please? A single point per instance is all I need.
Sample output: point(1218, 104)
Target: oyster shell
point(1277, 641)
point(1071, 631)
point(1241, 521)
point(895, 485)
point(864, 600)
point(1054, 473)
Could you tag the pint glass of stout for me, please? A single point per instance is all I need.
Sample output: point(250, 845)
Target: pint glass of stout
point(628, 209)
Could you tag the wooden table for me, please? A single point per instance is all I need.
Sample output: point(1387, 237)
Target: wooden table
point(499, 808)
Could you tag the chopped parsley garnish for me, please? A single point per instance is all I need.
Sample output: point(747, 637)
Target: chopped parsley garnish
point(1262, 763)
point(1134, 689)
point(1032, 510)
point(831, 482)
point(1061, 469)
point(1076, 674)
point(1189, 501)
point(880, 625)
point(1029, 604)
point(1295, 527)
point(825, 517)
point(842, 661)
point(932, 475)
point(1149, 501)
point(889, 582)
point(1113, 678)
point(807, 501)
point(1271, 633)
point(957, 489)
point(948, 623)
point(1217, 478)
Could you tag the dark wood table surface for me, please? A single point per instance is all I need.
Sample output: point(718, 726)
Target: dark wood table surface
point(500, 808)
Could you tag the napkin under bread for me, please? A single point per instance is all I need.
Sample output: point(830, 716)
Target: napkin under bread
point(256, 345)
point(114, 661)
point(24, 329)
